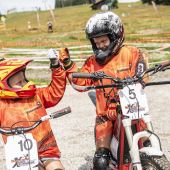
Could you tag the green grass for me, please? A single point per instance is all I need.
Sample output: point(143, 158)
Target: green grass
point(15, 54)
point(141, 22)
point(159, 59)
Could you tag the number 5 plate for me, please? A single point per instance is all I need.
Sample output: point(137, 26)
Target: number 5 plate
point(133, 101)
point(21, 152)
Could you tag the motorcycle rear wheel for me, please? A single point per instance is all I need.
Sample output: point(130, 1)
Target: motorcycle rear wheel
point(154, 162)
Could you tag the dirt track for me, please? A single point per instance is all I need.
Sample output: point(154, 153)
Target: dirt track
point(74, 132)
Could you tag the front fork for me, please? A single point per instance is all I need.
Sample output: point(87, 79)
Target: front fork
point(133, 140)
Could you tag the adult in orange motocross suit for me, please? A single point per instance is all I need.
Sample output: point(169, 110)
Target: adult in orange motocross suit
point(105, 31)
point(20, 105)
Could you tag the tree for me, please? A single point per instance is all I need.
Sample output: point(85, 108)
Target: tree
point(59, 3)
point(62, 3)
point(158, 2)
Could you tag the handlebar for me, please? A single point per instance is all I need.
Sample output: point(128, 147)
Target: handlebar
point(120, 83)
point(22, 130)
point(94, 76)
point(158, 67)
point(60, 113)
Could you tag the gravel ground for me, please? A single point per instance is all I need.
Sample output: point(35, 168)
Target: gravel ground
point(74, 132)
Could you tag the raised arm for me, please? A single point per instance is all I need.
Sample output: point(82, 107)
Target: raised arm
point(71, 67)
point(52, 94)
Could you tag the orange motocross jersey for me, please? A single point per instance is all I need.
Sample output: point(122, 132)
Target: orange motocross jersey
point(128, 62)
point(26, 110)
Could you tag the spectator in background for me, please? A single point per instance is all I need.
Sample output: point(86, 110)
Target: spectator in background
point(50, 27)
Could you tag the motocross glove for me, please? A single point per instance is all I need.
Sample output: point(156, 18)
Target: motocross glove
point(54, 58)
point(65, 58)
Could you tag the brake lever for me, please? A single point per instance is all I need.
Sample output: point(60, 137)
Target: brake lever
point(158, 68)
point(127, 80)
point(100, 75)
point(161, 67)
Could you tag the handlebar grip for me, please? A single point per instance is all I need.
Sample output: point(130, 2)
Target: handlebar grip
point(83, 75)
point(62, 112)
point(149, 70)
point(165, 64)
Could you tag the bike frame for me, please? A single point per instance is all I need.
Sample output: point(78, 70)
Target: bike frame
point(134, 140)
point(16, 132)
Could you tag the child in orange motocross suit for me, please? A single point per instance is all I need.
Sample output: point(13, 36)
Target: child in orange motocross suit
point(21, 103)
point(106, 34)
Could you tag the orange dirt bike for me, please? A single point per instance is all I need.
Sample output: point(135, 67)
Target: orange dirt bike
point(128, 150)
point(21, 148)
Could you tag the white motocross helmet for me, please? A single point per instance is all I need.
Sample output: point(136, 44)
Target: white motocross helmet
point(105, 23)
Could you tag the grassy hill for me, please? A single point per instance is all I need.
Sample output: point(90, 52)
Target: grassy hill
point(142, 24)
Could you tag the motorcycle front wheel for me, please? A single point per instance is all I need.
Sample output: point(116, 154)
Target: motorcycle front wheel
point(154, 162)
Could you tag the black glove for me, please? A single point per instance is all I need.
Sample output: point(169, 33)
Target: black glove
point(65, 58)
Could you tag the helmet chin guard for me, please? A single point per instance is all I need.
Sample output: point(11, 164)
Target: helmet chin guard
point(102, 57)
point(8, 68)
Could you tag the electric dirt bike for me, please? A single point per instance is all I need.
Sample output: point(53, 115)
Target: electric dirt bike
point(21, 148)
point(128, 149)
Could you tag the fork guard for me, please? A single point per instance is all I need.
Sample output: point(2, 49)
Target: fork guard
point(155, 149)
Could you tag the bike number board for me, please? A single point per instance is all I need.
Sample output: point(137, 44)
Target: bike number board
point(21, 152)
point(133, 101)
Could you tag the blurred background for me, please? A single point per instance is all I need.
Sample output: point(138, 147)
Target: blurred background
point(29, 27)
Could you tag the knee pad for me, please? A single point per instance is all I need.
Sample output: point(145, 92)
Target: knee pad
point(101, 159)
